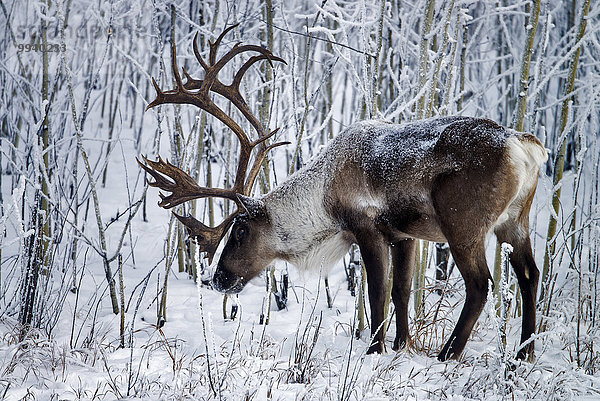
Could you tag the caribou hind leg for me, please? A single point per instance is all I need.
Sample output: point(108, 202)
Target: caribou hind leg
point(516, 233)
point(403, 260)
point(473, 267)
point(467, 204)
point(527, 274)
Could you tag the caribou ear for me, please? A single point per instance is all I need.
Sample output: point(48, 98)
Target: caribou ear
point(254, 207)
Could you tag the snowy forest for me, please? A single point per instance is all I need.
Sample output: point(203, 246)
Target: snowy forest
point(103, 295)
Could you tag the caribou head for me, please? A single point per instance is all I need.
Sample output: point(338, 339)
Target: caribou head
point(242, 261)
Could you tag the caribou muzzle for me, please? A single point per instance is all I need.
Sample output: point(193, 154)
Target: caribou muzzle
point(227, 282)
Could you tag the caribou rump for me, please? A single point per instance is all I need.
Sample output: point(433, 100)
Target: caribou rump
point(379, 185)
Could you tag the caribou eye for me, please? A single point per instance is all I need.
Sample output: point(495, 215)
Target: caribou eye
point(240, 232)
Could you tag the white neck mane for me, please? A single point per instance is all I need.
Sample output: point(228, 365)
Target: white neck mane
point(305, 234)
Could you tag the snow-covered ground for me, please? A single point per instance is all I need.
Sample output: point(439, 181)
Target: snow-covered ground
point(307, 351)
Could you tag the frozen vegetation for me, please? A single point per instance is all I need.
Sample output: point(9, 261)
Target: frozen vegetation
point(103, 296)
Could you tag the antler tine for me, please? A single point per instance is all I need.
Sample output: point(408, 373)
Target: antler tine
point(179, 83)
point(239, 49)
point(191, 83)
point(233, 90)
point(257, 164)
point(159, 180)
point(177, 95)
point(159, 96)
point(258, 161)
point(265, 137)
point(181, 185)
point(215, 46)
point(197, 53)
point(240, 74)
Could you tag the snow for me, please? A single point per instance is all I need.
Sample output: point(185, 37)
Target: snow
point(246, 358)
point(308, 351)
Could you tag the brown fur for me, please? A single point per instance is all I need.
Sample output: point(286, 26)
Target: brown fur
point(380, 185)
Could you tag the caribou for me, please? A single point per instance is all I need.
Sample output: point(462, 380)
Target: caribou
point(377, 184)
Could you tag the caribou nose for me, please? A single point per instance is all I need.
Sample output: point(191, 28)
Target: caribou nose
point(226, 282)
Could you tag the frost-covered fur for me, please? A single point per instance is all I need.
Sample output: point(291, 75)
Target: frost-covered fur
point(396, 163)
point(381, 185)
point(304, 233)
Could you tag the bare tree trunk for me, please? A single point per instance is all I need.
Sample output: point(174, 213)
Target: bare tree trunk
point(34, 260)
point(463, 61)
point(559, 163)
point(433, 86)
point(423, 58)
point(531, 27)
point(45, 174)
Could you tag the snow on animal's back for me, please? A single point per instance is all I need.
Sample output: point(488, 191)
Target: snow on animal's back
point(421, 149)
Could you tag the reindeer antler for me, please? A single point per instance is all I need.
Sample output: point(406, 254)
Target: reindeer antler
point(197, 92)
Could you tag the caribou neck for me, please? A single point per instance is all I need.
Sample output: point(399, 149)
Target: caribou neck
point(305, 234)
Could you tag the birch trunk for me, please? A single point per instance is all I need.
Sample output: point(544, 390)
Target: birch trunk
point(531, 27)
point(420, 113)
point(46, 232)
point(424, 56)
point(559, 163)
